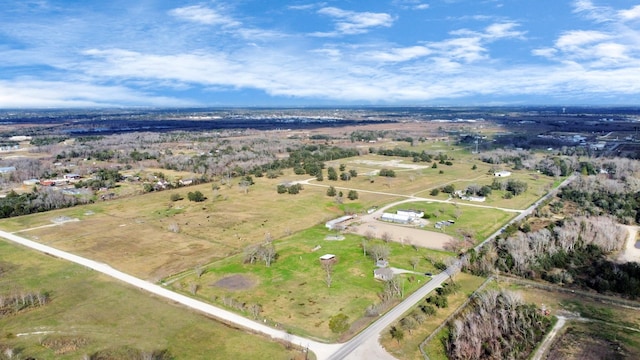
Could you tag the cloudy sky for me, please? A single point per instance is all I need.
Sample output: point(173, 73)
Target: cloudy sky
point(77, 53)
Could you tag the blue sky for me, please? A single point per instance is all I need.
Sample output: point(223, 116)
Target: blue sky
point(78, 53)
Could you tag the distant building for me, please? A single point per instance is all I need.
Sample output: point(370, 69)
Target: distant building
point(333, 224)
point(7, 169)
point(71, 176)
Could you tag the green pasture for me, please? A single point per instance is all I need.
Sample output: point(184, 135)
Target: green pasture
point(478, 221)
point(109, 315)
point(293, 292)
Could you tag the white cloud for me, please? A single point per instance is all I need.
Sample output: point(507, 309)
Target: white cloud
point(399, 54)
point(61, 94)
point(630, 14)
point(203, 15)
point(352, 23)
point(574, 39)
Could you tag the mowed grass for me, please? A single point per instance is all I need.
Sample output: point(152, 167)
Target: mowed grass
point(110, 315)
point(477, 221)
point(408, 348)
point(292, 291)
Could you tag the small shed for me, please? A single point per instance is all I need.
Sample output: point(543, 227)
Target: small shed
point(382, 263)
point(384, 274)
point(328, 258)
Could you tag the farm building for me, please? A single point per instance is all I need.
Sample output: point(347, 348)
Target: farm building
point(382, 263)
point(332, 224)
point(383, 274)
point(416, 214)
point(71, 176)
point(502, 173)
point(7, 169)
point(396, 218)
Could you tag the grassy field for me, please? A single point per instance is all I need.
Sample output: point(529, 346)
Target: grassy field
point(293, 291)
point(89, 312)
point(132, 234)
point(480, 222)
point(153, 237)
point(408, 347)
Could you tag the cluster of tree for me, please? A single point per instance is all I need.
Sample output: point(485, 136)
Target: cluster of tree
point(18, 301)
point(477, 190)
point(263, 252)
point(497, 325)
point(366, 135)
point(196, 196)
point(44, 199)
point(597, 195)
point(422, 156)
point(102, 178)
point(527, 251)
point(512, 186)
point(387, 173)
point(309, 159)
point(292, 189)
point(572, 251)
point(501, 156)
point(424, 311)
point(439, 299)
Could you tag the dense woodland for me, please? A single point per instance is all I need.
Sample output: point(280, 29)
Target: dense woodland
point(496, 325)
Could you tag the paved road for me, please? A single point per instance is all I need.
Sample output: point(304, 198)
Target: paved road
point(321, 350)
point(354, 349)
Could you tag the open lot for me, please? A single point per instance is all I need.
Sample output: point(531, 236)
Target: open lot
point(88, 313)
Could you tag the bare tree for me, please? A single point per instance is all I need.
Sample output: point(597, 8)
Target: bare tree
point(327, 266)
point(457, 213)
point(379, 252)
point(414, 262)
point(199, 269)
point(268, 254)
point(386, 237)
point(193, 288)
point(255, 310)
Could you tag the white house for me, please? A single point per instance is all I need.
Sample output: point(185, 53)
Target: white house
point(415, 214)
point(396, 218)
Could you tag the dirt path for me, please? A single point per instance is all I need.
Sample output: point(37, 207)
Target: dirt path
point(544, 347)
point(630, 252)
